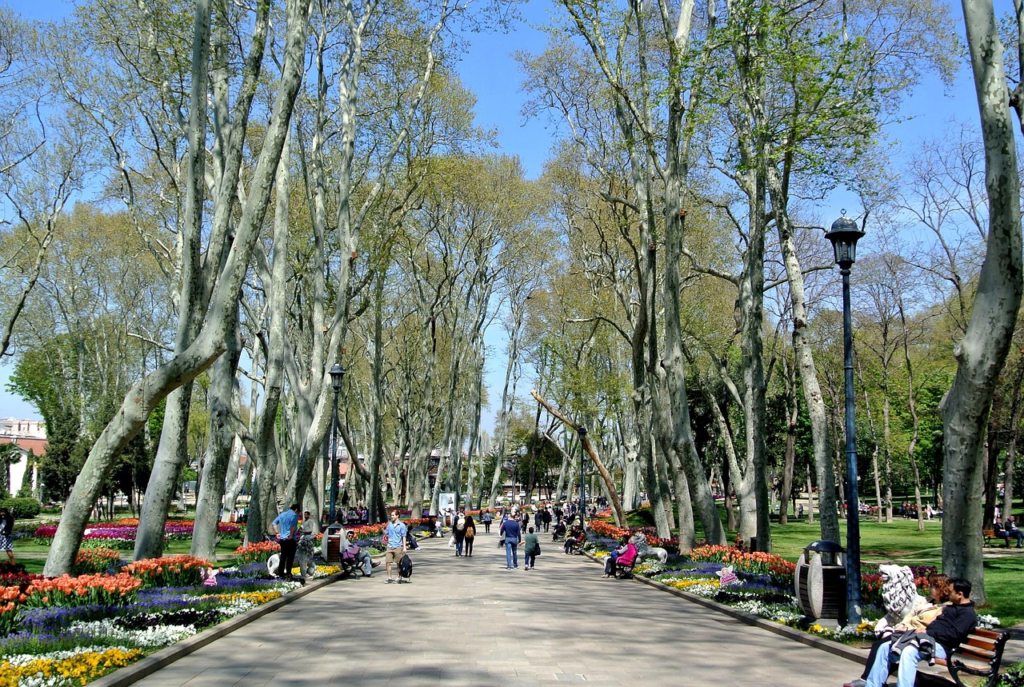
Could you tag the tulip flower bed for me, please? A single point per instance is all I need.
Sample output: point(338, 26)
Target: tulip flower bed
point(121, 533)
point(760, 583)
point(70, 630)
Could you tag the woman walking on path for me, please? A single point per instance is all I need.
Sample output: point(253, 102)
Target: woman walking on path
point(459, 532)
point(531, 549)
point(470, 535)
point(486, 519)
point(7, 533)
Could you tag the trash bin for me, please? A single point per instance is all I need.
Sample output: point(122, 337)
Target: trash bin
point(331, 544)
point(820, 581)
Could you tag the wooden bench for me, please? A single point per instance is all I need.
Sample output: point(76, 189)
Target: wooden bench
point(980, 656)
point(991, 534)
point(349, 566)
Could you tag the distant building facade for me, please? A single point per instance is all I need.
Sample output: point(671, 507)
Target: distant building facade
point(30, 437)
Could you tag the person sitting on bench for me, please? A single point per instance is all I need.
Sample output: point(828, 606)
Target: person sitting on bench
point(622, 556)
point(948, 631)
point(575, 538)
point(348, 551)
point(1012, 531)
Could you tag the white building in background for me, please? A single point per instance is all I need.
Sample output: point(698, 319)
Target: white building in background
point(28, 436)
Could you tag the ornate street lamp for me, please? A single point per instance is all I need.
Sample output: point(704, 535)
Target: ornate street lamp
point(844, 236)
point(582, 431)
point(337, 373)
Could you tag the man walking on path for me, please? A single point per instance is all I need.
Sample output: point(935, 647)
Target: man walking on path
point(285, 526)
point(486, 519)
point(513, 535)
point(394, 537)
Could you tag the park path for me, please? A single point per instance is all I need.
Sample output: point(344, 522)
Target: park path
point(468, 621)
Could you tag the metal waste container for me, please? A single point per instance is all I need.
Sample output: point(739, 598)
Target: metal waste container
point(820, 581)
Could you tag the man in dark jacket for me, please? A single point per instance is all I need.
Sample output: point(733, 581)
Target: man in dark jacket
point(951, 628)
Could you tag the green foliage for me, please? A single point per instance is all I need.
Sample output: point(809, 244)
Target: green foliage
point(21, 508)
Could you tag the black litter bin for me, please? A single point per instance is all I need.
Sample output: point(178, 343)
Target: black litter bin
point(821, 581)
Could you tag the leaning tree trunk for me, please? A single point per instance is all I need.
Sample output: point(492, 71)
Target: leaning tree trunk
point(982, 351)
point(218, 452)
point(209, 344)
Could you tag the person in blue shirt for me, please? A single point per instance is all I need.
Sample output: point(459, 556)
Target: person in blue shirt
point(394, 535)
point(513, 535)
point(285, 526)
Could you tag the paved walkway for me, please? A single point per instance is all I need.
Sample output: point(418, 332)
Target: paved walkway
point(467, 621)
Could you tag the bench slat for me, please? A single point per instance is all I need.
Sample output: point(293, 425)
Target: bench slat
point(980, 643)
point(985, 656)
point(987, 634)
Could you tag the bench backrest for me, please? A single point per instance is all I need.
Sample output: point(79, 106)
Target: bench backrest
point(983, 645)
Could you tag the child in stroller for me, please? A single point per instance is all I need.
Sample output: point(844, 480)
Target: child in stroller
point(558, 532)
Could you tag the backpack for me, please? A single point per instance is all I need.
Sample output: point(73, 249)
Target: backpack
point(405, 567)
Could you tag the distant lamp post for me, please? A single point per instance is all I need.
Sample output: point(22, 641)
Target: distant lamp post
point(582, 431)
point(844, 236)
point(337, 373)
point(511, 464)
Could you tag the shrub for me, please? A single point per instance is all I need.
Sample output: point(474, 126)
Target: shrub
point(22, 508)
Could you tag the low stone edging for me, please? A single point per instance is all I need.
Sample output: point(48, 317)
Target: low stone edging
point(168, 655)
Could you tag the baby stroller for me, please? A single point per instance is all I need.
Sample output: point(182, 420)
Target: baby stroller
point(558, 532)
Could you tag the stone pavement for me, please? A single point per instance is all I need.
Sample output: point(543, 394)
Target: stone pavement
point(468, 621)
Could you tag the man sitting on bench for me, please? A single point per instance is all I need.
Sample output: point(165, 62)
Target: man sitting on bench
point(952, 627)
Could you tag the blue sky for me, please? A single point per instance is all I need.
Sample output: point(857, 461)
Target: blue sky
point(489, 70)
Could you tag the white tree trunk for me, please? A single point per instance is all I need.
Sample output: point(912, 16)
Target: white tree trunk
point(210, 342)
point(981, 353)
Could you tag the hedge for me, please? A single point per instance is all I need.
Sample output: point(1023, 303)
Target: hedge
point(22, 508)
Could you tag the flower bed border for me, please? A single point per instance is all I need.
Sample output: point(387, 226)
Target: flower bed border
point(164, 657)
point(930, 674)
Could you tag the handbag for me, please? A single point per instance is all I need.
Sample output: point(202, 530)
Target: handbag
point(451, 542)
point(537, 553)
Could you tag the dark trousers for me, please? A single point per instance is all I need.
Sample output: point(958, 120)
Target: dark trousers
point(487, 527)
point(531, 560)
point(609, 563)
point(288, 547)
point(469, 546)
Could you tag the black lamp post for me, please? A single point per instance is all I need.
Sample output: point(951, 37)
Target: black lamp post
point(337, 373)
point(844, 236)
point(583, 461)
point(511, 462)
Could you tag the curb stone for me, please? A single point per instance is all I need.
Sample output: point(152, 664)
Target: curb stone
point(168, 655)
